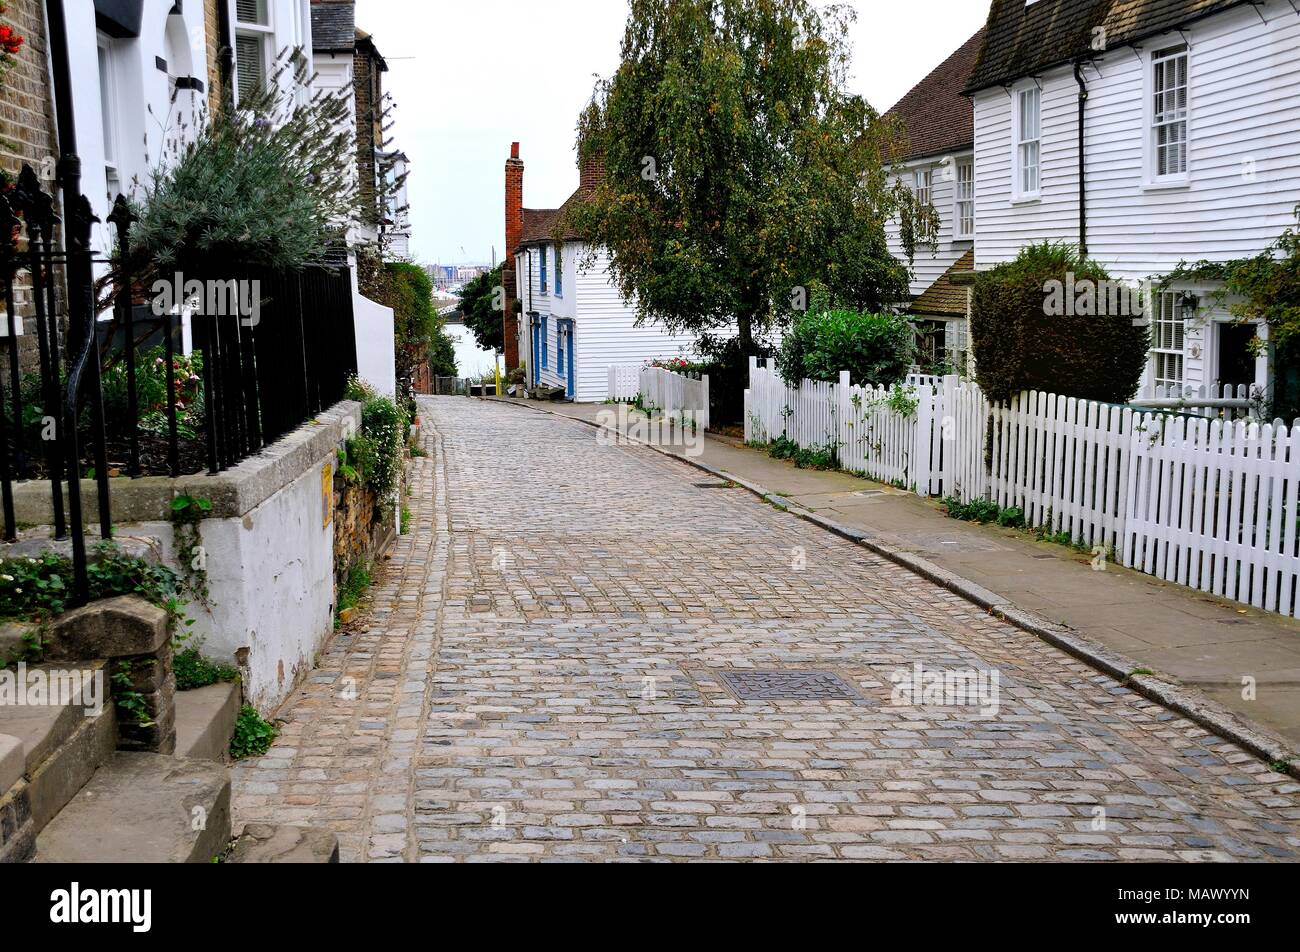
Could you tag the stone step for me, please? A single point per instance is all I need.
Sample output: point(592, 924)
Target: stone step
point(61, 744)
point(143, 808)
point(267, 843)
point(205, 721)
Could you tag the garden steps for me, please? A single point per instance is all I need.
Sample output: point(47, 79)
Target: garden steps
point(205, 721)
point(54, 749)
point(143, 808)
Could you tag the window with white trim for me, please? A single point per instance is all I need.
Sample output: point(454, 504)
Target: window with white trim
point(253, 34)
point(559, 271)
point(1168, 331)
point(963, 216)
point(1029, 104)
point(1169, 112)
point(922, 180)
point(109, 117)
point(541, 272)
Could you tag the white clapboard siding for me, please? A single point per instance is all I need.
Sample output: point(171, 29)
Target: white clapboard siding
point(1244, 72)
point(1211, 504)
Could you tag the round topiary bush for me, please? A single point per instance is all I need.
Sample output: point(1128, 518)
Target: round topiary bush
point(1055, 322)
point(876, 349)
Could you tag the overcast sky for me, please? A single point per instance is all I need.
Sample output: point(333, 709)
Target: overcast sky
point(471, 76)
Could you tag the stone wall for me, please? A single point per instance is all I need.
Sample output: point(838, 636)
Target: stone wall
point(360, 533)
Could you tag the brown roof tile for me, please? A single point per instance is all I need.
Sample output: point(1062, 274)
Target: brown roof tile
point(943, 298)
point(1023, 40)
point(938, 115)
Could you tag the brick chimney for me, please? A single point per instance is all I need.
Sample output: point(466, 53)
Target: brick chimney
point(514, 234)
point(591, 170)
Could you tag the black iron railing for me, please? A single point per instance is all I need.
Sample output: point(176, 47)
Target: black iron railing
point(265, 369)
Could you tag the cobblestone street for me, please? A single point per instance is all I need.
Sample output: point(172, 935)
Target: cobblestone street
point(588, 652)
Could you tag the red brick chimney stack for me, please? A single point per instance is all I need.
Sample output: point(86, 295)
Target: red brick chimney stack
point(514, 234)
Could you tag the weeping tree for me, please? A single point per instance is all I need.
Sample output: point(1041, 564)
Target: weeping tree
point(739, 170)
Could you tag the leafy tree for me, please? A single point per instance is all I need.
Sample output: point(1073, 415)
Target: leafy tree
point(418, 328)
point(740, 170)
point(481, 306)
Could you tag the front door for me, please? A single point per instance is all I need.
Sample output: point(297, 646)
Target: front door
point(534, 325)
point(570, 389)
point(1236, 357)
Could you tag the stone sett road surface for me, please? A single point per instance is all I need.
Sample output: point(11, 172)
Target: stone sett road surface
point(555, 661)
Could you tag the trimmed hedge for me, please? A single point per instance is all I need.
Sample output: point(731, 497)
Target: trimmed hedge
point(1018, 346)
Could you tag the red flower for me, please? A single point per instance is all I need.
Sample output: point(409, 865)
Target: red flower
point(9, 40)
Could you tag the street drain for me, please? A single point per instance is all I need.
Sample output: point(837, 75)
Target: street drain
point(787, 686)
point(714, 486)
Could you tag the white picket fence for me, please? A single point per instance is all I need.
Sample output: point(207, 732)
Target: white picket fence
point(1212, 504)
point(624, 382)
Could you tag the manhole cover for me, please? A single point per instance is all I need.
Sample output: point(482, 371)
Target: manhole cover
point(870, 493)
point(787, 686)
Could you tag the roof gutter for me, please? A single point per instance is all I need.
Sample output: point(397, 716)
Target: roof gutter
point(1083, 160)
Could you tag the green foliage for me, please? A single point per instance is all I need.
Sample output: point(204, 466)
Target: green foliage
point(1018, 346)
point(130, 703)
point(739, 169)
point(151, 394)
point(982, 511)
point(253, 735)
point(817, 458)
point(187, 513)
point(1264, 288)
point(482, 305)
point(353, 590)
point(374, 455)
point(194, 671)
point(876, 349)
point(268, 184)
point(38, 587)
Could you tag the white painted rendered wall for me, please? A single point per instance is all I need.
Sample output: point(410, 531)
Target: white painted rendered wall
point(376, 344)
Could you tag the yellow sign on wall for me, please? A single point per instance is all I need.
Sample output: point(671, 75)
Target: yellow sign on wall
point(327, 495)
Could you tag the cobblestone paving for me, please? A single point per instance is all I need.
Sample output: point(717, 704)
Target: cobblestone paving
point(547, 674)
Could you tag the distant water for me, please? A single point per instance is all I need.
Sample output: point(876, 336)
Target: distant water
point(471, 360)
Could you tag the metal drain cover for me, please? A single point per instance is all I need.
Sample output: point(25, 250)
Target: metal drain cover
point(713, 486)
point(787, 686)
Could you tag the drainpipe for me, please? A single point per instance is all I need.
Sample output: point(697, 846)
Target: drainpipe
point(1083, 165)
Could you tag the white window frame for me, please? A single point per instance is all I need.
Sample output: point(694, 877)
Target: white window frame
point(111, 113)
point(263, 32)
point(1020, 144)
point(1169, 341)
point(1152, 128)
point(963, 197)
point(923, 185)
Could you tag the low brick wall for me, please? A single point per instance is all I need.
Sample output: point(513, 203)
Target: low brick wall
point(361, 535)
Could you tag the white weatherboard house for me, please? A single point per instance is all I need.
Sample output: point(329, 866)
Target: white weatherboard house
point(939, 166)
point(574, 323)
point(1151, 132)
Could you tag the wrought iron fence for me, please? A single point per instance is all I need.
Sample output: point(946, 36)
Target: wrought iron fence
point(264, 372)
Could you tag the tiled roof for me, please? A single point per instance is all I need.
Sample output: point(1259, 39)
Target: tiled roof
point(553, 224)
point(938, 115)
point(333, 27)
point(1022, 40)
point(537, 225)
point(943, 298)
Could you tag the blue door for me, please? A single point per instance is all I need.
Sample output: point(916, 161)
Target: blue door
point(571, 390)
point(534, 323)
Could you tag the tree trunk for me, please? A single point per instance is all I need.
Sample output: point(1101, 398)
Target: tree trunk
point(745, 328)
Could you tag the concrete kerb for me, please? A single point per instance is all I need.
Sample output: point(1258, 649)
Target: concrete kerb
point(1191, 704)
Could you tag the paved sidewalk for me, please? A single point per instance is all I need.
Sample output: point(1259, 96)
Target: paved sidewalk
point(591, 652)
point(1192, 638)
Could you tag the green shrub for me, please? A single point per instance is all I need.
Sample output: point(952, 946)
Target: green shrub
point(38, 587)
point(876, 349)
point(1018, 346)
point(195, 671)
point(374, 455)
point(253, 735)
